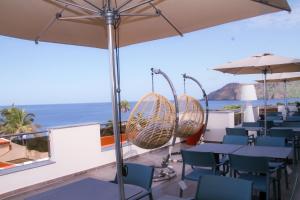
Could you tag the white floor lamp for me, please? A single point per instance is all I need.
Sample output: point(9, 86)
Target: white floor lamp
point(248, 94)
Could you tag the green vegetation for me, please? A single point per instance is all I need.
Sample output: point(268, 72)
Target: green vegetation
point(232, 107)
point(15, 120)
point(279, 104)
point(125, 106)
point(108, 129)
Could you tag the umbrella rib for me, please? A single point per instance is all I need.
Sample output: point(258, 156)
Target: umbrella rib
point(124, 4)
point(167, 20)
point(93, 5)
point(46, 28)
point(76, 5)
point(274, 6)
point(140, 15)
point(79, 17)
point(135, 6)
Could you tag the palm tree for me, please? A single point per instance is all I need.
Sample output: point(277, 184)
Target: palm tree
point(125, 106)
point(15, 120)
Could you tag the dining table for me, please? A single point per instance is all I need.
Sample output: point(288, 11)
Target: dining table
point(216, 148)
point(264, 151)
point(88, 188)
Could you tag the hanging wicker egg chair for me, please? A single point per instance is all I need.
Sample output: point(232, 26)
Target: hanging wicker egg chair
point(191, 116)
point(151, 122)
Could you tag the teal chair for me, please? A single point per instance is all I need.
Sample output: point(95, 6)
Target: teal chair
point(232, 139)
point(139, 175)
point(235, 139)
point(255, 169)
point(239, 132)
point(291, 140)
point(291, 124)
point(250, 124)
point(236, 131)
point(280, 165)
point(201, 163)
point(212, 187)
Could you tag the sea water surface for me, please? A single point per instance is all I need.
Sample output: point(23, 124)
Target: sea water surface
point(69, 114)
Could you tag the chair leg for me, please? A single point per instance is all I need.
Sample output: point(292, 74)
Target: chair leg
point(150, 196)
point(286, 178)
point(180, 192)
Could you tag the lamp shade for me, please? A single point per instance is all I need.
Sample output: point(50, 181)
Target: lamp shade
point(248, 92)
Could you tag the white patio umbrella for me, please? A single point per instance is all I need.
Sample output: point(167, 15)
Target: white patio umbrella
point(92, 22)
point(283, 77)
point(264, 63)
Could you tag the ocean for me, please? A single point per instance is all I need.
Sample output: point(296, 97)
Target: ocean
point(67, 114)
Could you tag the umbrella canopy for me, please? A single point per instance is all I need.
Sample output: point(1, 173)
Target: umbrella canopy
point(92, 23)
point(267, 62)
point(30, 19)
point(264, 63)
point(282, 77)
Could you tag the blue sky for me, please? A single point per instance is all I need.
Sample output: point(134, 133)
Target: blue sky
point(53, 73)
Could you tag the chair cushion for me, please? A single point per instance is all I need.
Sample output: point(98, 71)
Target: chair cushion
point(142, 194)
point(259, 182)
point(196, 174)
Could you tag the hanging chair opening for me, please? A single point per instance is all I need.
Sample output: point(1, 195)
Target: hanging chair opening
point(152, 121)
point(191, 116)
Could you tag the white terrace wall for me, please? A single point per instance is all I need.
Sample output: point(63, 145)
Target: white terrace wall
point(73, 149)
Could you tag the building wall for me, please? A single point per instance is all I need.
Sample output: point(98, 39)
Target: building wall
point(73, 149)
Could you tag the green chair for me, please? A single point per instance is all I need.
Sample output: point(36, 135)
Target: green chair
point(280, 165)
point(291, 140)
point(212, 187)
point(139, 175)
point(250, 124)
point(291, 124)
point(239, 132)
point(255, 169)
point(235, 139)
point(201, 163)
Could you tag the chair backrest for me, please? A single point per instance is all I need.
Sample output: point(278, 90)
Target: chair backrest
point(274, 114)
point(291, 124)
point(236, 131)
point(235, 139)
point(270, 124)
point(249, 163)
point(201, 159)
point(294, 118)
point(285, 133)
point(250, 124)
point(270, 141)
point(140, 175)
point(274, 117)
point(212, 187)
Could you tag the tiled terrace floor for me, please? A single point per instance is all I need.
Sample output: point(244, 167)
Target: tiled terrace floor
point(169, 187)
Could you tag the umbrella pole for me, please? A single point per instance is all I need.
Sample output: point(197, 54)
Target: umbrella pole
point(113, 77)
point(265, 102)
point(285, 98)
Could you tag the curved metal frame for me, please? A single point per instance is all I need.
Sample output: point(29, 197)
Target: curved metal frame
point(167, 172)
point(204, 96)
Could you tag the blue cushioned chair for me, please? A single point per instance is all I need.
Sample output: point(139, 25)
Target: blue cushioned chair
point(236, 131)
point(198, 160)
point(240, 132)
point(275, 142)
point(212, 187)
point(255, 169)
point(235, 139)
point(140, 175)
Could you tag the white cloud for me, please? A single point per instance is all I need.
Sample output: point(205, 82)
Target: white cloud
point(278, 20)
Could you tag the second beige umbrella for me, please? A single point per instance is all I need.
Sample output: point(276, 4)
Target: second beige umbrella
point(264, 63)
point(283, 77)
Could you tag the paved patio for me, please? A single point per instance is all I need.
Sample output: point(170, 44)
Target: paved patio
point(169, 187)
